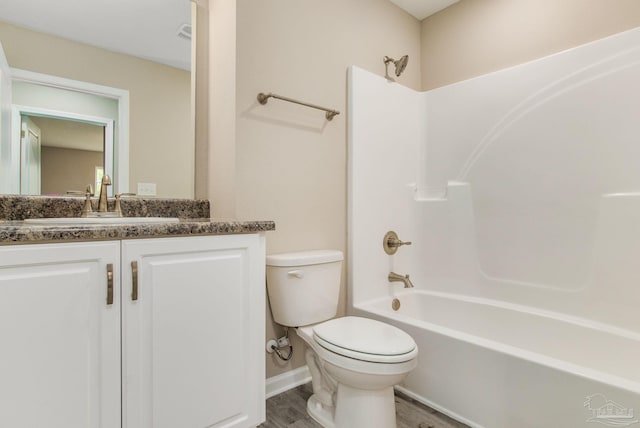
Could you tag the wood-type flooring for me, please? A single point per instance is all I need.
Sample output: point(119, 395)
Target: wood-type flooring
point(289, 410)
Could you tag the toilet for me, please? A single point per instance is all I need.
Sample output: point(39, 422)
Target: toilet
point(354, 362)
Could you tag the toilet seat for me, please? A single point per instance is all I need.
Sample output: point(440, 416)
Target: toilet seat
point(365, 340)
point(361, 363)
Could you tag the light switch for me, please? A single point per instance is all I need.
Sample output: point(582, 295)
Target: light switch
point(146, 189)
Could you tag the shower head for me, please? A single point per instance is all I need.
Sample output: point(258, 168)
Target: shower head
point(400, 65)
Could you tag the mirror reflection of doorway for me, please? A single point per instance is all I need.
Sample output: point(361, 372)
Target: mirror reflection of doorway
point(71, 154)
point(30, 157)
point(44, 96)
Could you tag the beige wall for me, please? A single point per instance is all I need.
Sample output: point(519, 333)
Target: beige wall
point(475, 37)
point(200, 94)
point(161, 144)
point(222, 106)
point(291, 162)
point(67, 169)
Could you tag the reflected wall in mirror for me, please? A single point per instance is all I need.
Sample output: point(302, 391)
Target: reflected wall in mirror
point(72, 152)
point(160, 119)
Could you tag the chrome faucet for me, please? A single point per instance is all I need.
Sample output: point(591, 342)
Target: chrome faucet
point(394, 277)
point(102, 202)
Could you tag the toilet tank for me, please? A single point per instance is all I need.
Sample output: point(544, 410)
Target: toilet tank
point(304, 287)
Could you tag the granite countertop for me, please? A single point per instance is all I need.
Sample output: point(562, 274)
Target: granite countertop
point(193, 215)
point(19, 232)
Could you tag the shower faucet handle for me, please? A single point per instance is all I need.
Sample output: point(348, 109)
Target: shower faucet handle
point(391, 243)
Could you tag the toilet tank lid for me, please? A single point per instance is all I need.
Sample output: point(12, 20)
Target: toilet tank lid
point(301, 258)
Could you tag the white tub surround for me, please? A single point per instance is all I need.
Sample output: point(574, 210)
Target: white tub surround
point(520, 191)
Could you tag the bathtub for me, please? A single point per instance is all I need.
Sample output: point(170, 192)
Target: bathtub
point(498, 365)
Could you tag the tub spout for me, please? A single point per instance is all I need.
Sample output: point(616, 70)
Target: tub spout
point(394, 277)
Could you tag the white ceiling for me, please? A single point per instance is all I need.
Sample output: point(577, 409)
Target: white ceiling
point(423, 8)
point(143, 28)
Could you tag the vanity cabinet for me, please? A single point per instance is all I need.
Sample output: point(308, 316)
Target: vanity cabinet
point(180, 346)
point(59, 339)
point(193, 337)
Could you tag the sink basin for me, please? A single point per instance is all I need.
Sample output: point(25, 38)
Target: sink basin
point(99, 220)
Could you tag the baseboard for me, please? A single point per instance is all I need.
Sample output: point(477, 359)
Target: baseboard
point(283, 382)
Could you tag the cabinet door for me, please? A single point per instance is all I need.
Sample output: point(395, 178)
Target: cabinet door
point(194, 338)
point(60, 355)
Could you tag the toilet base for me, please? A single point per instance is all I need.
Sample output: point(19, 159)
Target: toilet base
point(365, 408)
point(356, 408)
point(320, 413)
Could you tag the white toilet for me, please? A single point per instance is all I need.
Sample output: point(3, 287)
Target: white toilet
point(354, 362)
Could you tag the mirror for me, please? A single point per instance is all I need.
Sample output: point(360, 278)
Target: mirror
point(136, 56)
point(71, 153)
point(58, 148)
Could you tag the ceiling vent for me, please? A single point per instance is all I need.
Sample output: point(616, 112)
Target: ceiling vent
point(184, 31)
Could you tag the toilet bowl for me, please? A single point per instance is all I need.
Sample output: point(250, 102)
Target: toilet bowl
point(361, 360)
point(354, 362)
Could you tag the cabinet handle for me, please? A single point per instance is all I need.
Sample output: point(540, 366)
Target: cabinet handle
point(110, 284)
point(134, 281)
